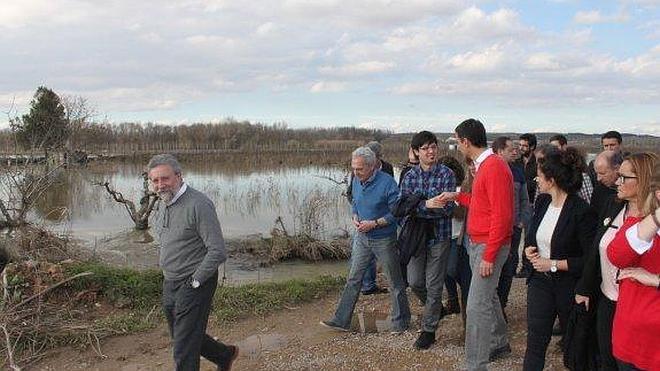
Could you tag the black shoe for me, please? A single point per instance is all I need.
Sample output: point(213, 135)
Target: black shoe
point(443, 312)
point(334, 326)
point(425, 340)
point(500, 352)
point(226, 365)
point(452, 306)
point(557, 330)
point(375, 290)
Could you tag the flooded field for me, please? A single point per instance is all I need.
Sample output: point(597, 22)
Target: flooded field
point(250, 194)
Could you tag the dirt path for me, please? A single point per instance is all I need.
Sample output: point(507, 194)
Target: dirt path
point(293, 340)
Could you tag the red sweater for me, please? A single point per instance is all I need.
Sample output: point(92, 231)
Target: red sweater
point(490, 206)
point(636, 328)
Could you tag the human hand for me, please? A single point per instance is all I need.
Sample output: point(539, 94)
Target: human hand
point(356, 222)
point(448, 196)
point(531, 252)
point(485, 268)
point(640, 275)
point(579, 299)
point(541, 264)
point(435, 203)
point(366, 225)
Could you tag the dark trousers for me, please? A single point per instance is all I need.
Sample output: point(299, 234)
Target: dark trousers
point(509, 269)
point(459, 273)
point(548, 295)
point(623, 366)
point(187, 312)
point(604, 320)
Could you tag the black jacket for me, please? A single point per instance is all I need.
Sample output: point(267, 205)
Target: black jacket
point(600, 198)
point(415, 232)
point(573, 235)
point(589, 283)
point(530, 175)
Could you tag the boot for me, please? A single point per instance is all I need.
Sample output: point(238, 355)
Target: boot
point(452, 305)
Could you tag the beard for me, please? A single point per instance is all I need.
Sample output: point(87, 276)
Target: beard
point(166, 196)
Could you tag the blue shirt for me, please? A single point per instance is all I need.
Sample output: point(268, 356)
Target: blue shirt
point(429, 184)
point(374, 199)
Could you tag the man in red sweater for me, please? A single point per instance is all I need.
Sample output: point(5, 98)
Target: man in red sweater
point(490, 222)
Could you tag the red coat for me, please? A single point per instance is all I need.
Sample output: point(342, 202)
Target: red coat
point(636, 328)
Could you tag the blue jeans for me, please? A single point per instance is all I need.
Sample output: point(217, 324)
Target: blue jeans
point(364, 248)
point(369, 279)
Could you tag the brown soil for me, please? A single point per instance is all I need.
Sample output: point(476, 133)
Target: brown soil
point(292, 339)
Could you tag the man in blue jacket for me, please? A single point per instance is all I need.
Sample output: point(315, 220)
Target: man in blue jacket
point(374, 195)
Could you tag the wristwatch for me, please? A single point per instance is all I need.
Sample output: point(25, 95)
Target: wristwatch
point(194, 283)
point(553, 266)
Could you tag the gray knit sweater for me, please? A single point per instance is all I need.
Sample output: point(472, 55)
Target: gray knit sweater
point(190, 237)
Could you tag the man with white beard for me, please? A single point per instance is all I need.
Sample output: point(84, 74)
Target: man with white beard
point(191, 249)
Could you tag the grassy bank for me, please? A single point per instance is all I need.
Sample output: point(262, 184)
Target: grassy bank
point(116, 301)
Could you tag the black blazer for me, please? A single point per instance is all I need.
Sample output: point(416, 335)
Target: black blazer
point(589, 283)
point(573, 235)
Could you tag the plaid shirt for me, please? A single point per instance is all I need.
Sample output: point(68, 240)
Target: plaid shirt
point(429, 184)
point(587, 188)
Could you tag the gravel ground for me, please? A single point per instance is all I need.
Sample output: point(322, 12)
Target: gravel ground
point(292, 339)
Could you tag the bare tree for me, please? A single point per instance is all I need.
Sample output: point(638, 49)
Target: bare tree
point(147, 202)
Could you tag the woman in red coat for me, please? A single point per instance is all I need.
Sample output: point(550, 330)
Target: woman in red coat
point(636, 251)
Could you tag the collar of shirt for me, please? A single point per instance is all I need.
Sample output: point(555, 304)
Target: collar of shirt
point(371, 178)
point(482, 157)
point(183, 188)
point(431, 169)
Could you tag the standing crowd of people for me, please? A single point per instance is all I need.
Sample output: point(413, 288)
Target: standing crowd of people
point(590, 253)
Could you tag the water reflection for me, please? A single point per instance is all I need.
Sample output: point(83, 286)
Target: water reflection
point(249, 196)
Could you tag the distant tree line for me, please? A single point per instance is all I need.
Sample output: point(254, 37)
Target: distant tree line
point(55, 123)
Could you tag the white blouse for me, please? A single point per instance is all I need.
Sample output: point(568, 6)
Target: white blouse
point(546, 228)
point(608, 285)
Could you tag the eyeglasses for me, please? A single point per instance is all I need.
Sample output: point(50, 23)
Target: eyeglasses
point(432, 147)
point(623, 178)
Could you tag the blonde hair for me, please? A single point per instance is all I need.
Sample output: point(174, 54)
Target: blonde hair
point(643, 165)
point(652, 202)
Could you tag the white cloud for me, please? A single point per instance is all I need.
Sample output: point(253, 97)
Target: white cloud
point(328, 87)
point(23, 13)
point(543, 61)
point(265, 29)
point(482, 61)
point(358, 69)
point(594, 17)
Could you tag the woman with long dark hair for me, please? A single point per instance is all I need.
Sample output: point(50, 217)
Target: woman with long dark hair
point(560, 233)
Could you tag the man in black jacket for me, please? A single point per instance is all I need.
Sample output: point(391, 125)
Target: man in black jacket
point(527, 160)
point(606, 167)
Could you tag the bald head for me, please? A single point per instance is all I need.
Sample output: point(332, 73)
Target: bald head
point(606, 166)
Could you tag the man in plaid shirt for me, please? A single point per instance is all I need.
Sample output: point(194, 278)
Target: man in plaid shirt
point(426, 272)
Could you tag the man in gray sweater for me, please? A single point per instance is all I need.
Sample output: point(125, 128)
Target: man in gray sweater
point(191, 249)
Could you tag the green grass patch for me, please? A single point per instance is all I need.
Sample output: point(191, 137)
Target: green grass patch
point(232, 303)
point(136, 289)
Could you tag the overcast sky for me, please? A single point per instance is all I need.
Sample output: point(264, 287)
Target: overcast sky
point(578, 66)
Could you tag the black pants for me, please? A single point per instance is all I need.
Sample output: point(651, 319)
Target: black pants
point(548, 295)
point(604, 320)
point(187, 312)
point(623, 366)
point(509, 269)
